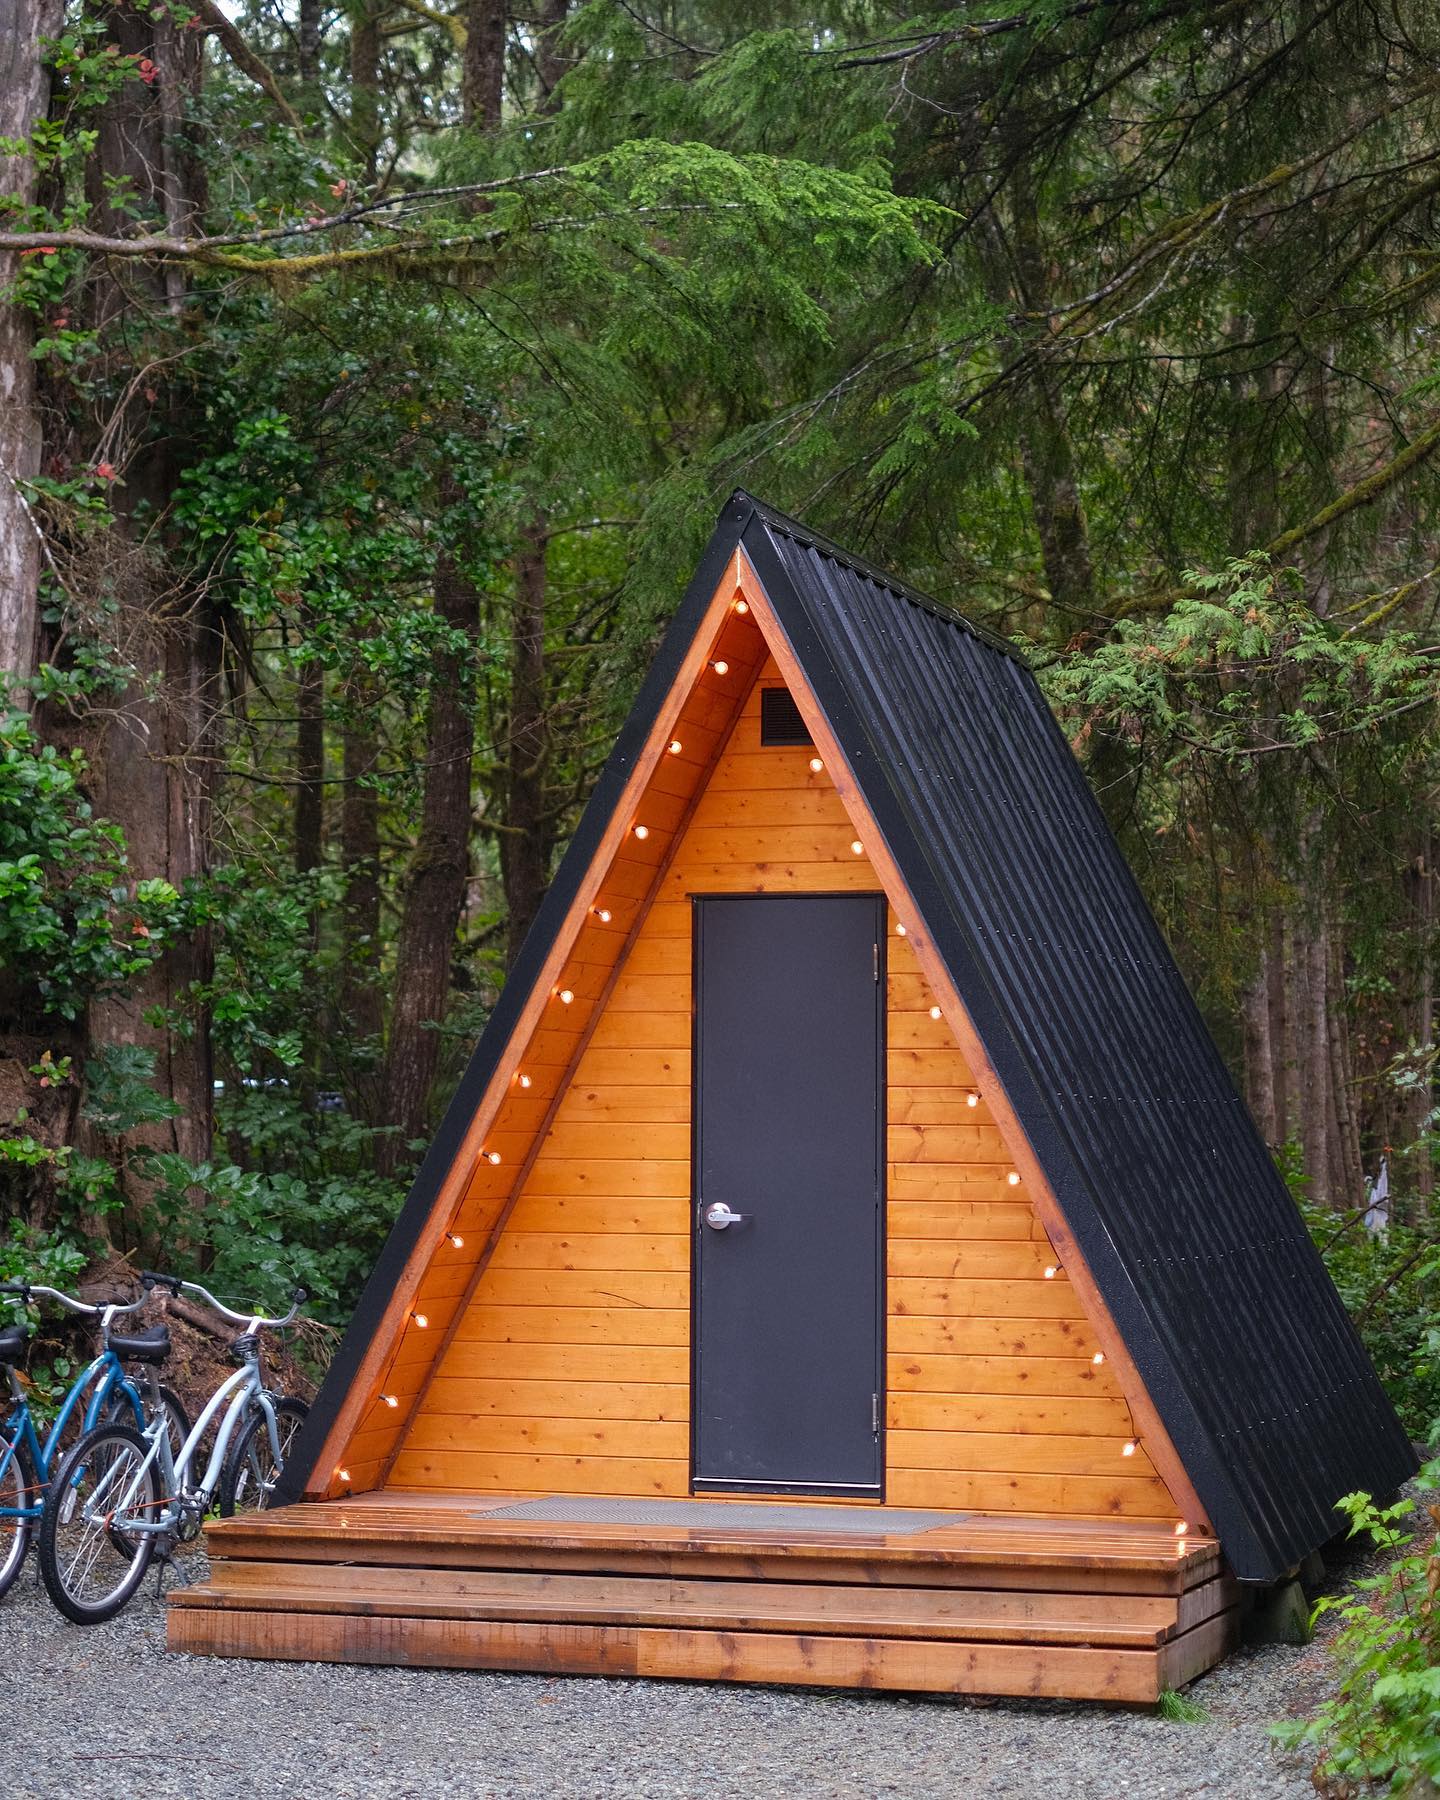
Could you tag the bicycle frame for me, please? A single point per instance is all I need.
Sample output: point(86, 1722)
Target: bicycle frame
point(235, 1394)
point(106, 1375)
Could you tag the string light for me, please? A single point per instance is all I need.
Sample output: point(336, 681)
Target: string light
point(816, 765)
point(900, 931)
point(603, 914)
point(390, 1400)
point(642, 832)
point(934, 1012)
point(1182, 1529)
point(720, 668)
point(1130, 1447)
point(1051, 1271)
point(421, 1320)
point(456, 1239)
point(492, 1156)
point(524, 1080)
point(342, 1475)
point(857, 847)
point(1098, 1358)
point(676, 746)
point(565, 996)
point(742, 606)
point(1013, 1178)
point(972, 1098)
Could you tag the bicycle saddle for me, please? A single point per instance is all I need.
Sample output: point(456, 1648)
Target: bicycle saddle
point(151, 1346)
point(13, 1339)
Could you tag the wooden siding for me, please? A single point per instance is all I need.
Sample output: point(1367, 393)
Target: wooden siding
point(567, 1363)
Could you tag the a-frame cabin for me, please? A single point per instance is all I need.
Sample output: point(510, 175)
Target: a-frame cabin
point(1017, 1359)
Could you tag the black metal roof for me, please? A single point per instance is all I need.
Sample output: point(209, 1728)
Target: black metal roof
point(1190, 1234)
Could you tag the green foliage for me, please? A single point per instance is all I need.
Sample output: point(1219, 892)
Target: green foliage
point(72, 923)
point(1390, 1283)
point(1381, 1732)
point(1180, 1709)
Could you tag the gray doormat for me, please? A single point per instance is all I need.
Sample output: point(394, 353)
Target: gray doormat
point(725, 1515)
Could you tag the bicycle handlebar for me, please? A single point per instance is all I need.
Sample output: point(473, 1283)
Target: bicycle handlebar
point(151, 1278)
point(26, 1290)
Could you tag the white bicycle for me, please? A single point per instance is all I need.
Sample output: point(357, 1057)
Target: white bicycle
point(122, 1496)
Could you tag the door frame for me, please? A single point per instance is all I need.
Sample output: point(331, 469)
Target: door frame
point(860, 1492)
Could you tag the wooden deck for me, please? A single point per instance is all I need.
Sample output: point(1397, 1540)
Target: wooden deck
point(984, 1605)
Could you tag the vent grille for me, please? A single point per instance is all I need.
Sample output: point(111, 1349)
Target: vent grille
point(780, 721)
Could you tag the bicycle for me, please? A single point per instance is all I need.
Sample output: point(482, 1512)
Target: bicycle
point(121, 1496)
point(27, 1461)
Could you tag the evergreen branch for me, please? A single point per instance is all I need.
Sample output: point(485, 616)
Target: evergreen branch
point(200, 248)
point(452, 22)
point(245, 59)
point(1363, 493)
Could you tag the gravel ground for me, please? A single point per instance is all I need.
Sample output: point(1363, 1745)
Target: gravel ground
point(107, 1711)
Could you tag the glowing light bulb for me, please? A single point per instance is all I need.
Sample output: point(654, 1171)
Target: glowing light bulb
point(1051, 1272)
point(524, 1081)
point(816, 765)
point(342, 1475)
point(390, 1400)
point(720, 668)
point(972, 1098)
point(420, 1319)
point(566, 996)
point(1182, 1529)
point(492, 1156)
point(934, 1012)
point(1013, 1178)
point(1098, 1358)
point(603, 914)
point(742, 606)
point(456, 1239)
point(676, 746)
point(857, 847)
point(1130, 1448)
point(642, 831)
point(900, 931)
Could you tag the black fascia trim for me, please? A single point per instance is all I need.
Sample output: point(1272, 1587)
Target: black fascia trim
point(394, 1257)
point(907, 843)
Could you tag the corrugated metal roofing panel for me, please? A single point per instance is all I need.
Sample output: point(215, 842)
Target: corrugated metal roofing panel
point(1202, 1258)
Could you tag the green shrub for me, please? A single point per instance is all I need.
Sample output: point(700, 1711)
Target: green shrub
point(1381, 1732)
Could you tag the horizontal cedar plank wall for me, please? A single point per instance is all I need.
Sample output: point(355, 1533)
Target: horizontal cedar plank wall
point(569, 1370)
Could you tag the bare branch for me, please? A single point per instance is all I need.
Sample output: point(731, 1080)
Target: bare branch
point(245, 59)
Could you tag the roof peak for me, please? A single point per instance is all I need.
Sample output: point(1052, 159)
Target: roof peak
point(801, 533)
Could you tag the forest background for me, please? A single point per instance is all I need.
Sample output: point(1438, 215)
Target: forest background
point(370, 375)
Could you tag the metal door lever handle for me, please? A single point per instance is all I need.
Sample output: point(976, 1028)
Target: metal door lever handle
point(718, 1215)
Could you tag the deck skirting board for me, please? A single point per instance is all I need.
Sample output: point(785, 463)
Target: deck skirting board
point(1060, 1672)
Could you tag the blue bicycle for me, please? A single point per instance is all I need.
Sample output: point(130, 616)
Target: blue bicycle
point(101, 1394)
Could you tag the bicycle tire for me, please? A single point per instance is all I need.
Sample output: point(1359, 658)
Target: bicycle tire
point(18, 1488)
point(72, 1545)
point(251, 1470)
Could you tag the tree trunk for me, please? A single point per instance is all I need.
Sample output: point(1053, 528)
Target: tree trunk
point(1259, 1051)
point(1316, 1100)
point(1282, 1037)
point(525, 840)
point(365, 84)
point(361, 1012)
point(152, 754)
point(310, 766)
point(436, 893)
point(308, 39)
point(24, 99)
point(482, 73)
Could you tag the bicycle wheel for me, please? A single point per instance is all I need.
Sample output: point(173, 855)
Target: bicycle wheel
point(89, 1562)
point(18, 1489)
point(252, 1471)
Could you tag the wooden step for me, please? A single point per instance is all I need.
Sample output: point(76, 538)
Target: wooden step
point(1054, 1670)
point(942, 1614)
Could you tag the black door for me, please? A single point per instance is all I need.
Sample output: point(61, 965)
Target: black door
point(789, 1134)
